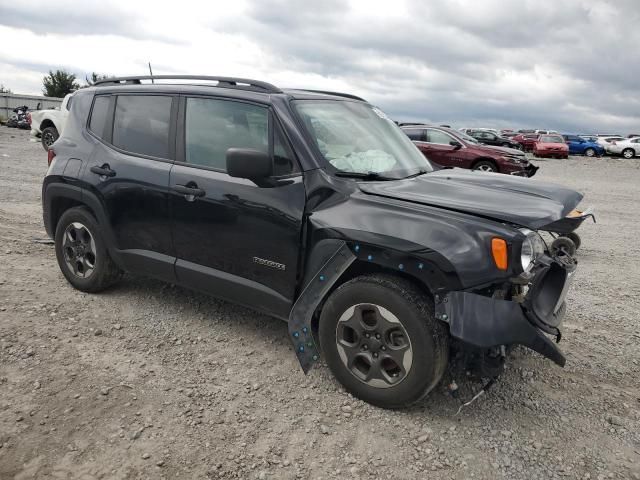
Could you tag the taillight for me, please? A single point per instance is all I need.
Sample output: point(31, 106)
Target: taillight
point(50, 156)
point(28, 118)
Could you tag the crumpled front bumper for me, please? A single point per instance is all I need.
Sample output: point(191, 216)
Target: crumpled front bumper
point(487, 322)
point(528, 171)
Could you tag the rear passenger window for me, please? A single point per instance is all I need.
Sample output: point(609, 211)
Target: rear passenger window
point(99, 115)
point(141, 124)
point(213, 126)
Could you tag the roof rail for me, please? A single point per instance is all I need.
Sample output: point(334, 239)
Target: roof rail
point(337, 94)
point(229, 82)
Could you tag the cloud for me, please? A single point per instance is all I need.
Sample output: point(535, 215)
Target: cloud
point(77, 18)
point(570, 65)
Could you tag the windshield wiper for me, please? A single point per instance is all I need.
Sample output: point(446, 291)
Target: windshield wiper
point(363, 175)
point(417, 174)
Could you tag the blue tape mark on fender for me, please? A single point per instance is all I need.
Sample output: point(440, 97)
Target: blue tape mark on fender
point(302, 312)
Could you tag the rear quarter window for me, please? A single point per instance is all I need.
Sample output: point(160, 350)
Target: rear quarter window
point(141, 124)
point(99, 112)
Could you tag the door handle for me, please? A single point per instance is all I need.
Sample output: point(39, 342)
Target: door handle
point(104, 171)
point(189, 190)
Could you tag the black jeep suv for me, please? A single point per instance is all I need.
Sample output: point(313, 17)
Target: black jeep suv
point(315, 208)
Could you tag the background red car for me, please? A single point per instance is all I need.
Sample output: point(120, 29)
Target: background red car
point(451, 148)
point(527, 140)
point(551, 146)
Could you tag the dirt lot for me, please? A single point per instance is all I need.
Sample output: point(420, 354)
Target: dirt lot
point(149, 380)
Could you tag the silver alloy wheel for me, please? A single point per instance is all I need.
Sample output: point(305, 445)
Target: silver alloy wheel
point(484, 168)
point(374, 345)
point(49, 139)
point(79, 250)
point(628, 153)
point(589, 152)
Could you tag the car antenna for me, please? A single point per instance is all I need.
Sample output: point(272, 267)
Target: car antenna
point(151, 73)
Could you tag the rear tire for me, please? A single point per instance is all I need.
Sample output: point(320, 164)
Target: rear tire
point(48, 136)
point(590, 152)
point(81, 252)
point(370, 322)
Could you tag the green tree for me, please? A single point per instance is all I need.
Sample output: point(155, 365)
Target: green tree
point(4, 89)
point(94, 78)
point(59, 83)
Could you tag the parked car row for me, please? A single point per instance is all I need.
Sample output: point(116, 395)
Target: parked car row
point(539, 142)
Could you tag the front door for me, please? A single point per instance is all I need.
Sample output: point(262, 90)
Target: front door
point(439, 149)
point(233, 238)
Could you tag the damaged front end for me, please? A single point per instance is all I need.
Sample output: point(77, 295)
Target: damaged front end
point(526, 310)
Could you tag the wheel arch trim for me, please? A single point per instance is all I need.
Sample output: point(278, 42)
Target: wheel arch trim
point(327, 267)
point(63, 191)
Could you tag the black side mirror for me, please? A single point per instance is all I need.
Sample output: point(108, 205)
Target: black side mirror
point(248, 163)
point(455, 145)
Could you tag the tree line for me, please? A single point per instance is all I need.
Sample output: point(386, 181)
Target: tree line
point(61, 82)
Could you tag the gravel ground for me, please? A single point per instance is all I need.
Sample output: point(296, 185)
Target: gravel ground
point(149, 380)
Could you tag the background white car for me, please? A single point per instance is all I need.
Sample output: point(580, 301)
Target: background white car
point(48, 124)
point(606, 141)
point(628, 147)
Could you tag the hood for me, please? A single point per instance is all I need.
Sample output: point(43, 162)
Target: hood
point(506, 198)
point(502, 150)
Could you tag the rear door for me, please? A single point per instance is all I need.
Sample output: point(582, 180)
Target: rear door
point(234, 238)
point(129, 174)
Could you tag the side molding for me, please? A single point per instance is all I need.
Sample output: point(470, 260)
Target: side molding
point(302, 311)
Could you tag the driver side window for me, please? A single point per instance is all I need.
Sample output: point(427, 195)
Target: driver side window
point(439, 137)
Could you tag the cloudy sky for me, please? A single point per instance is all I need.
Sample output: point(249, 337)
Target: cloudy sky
point(571, 65)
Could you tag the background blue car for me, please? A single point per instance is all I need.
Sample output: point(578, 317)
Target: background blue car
point(580, 146)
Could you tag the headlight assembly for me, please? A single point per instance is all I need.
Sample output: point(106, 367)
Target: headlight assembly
point(532, 247)
point(513, 158)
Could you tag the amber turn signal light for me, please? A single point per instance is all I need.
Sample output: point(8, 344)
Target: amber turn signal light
point(499, 252)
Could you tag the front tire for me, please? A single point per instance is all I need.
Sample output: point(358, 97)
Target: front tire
point(48, 137)
point(628, 153)
point(81, 252)
point(485, 166)
point(590, 152)
point(575, 238)
point(381, 340)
